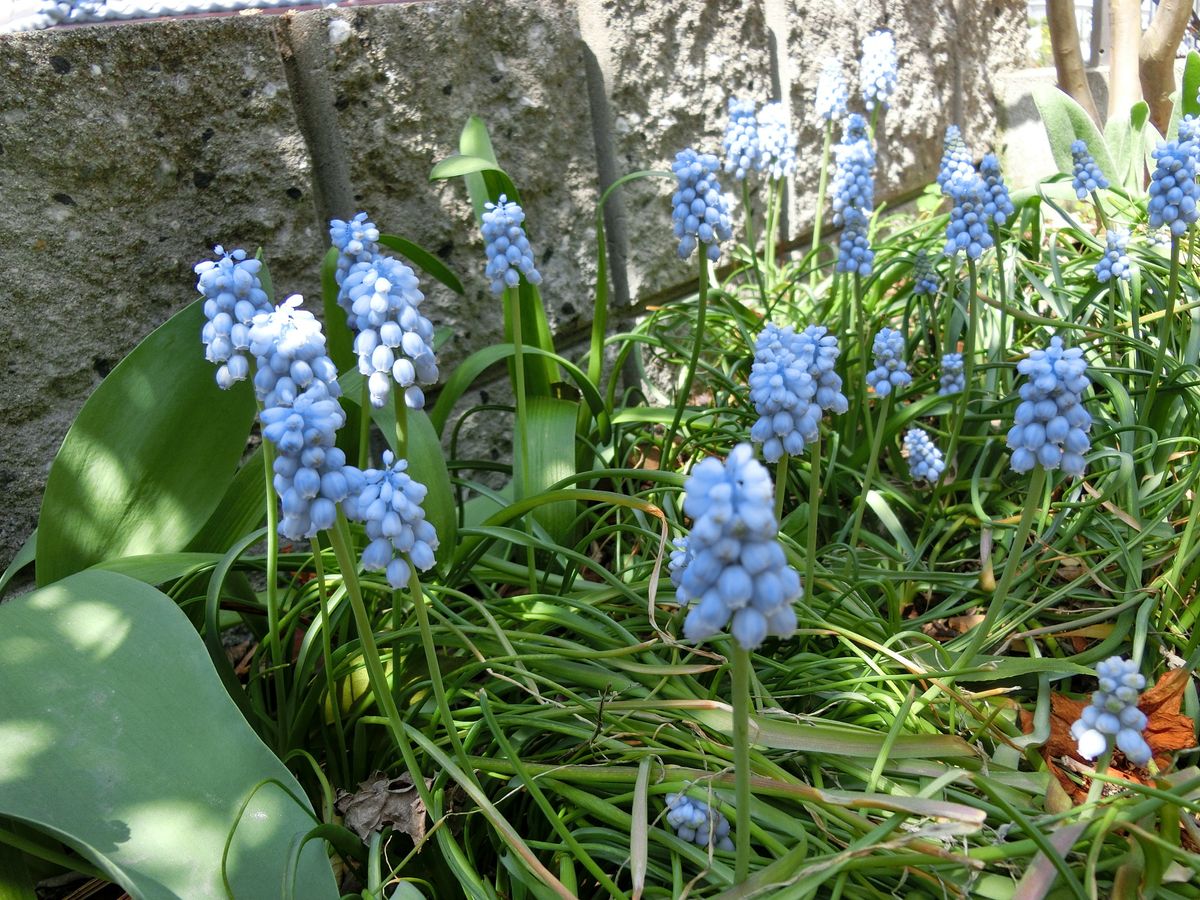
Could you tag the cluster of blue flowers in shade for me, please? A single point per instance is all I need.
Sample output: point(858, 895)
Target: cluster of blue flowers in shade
point(999, 207)
point(1087, 175)
point(381, 298)
point(1050, 423)
point(792, 381)
point(233, 296)
point(509, 255)
point(831, 91)
point(953, 379)
point(388, 501)
point(731, 567)
point(699, 213)
point(1114, 263)
point(758, 141)
point(1173, 188)
point(740, 143)
point(854, 196)
point(956, 159)
point(698, 823)
point(1113, 716)
point(925, 462)
point(877, 72)
point(891, 371)
point(925, 280)
point(296, 382)
point(967, 231)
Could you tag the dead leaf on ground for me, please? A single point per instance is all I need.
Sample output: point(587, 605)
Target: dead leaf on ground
point(949, 629)
point(380, 802)
point(1167, 731)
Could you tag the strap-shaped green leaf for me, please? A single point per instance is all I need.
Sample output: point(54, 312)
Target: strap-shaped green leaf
point(149, 457)
point(1066, 122)
point(120, 740)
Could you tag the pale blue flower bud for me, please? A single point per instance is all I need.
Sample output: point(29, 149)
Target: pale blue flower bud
point(699, 214)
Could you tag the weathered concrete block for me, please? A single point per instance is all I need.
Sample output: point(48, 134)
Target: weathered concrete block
point(406, 80)
point(669, 68)
point(126, 153)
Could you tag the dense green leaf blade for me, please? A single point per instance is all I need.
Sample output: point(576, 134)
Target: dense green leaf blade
point(423, 260)
point(241, 510)
point(158, 568)
point(15, 880)
point(339, 341)
point(1066, 122)
point(23, 558)
point(457, 166)
point(148, 458)
point(550, 439)
point(1190, 99)
point(120, 740)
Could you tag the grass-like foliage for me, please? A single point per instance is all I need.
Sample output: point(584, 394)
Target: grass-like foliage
point(524, 682)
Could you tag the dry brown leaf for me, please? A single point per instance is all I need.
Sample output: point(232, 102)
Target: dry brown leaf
point(1167, 731)
point(381, 801)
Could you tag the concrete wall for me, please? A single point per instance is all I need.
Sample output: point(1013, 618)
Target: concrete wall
point(127, 151)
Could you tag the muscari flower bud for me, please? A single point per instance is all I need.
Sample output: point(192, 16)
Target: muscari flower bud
point(854, 177)
point(953, 378)
point(1114, 717)
point(1115, 263)
point(956, 159)
point(925, 461)
point(831, 91)
point(925, 280)
point(233, 296)
point(1173, 188)
point(891, 371)
point(877, 69)
point(696, 822)
point(967, 231)
point(508, 253)
point(999, 205)
point(699, 213)
point(733, 568)
point(1087, 176)
point(740, 142)
point(777, 143)
point(356, 241)
point(1050, 423)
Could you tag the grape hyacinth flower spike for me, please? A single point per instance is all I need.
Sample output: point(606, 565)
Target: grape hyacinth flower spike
point(956, 159)
point(998, 207)
point(925, 461)
point(776, 142)
point(388, 501)
point(734, 568)
point(967, 231)
point(877, 69)
point(792, 381)
point(1114, 264)
point(1113, 716)
point(506, 245)
point(1087, 176)
point(697, 823)
point(740, 143)
point(1050, 423)
point(953, 378)
point(831, 91)
point(1173, 188)
point(356, 241)
point(890, 372)
point(925, 280)
point(233, 296)
point(854, 197)
point(699, 213)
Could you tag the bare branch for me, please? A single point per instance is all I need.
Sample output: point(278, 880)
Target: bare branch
point(1159, 44)
point(1125, 25)
point(1068, 61)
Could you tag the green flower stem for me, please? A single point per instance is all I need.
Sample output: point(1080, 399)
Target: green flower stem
point(512, 298)
point(960, 411)
point(1003, 281)
point(781, 474)
point(752, 243)
point(1099, 210)
point(814, 502)
point(822, 184)
point(741, 760)
point(364, 426)
point(431, 662)
point(668, 452)
point(1164, 332)
point(774, 201)
point(274, 639)
point(872, 467)
point(1097, 786)
point(339, 537)
point(335, 697)
point(401, 409)
point(1016, 551)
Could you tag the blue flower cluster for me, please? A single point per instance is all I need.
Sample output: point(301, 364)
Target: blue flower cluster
point(733, 566)
point(1189, 128)
point(233, 296)
point(388, 501)
point(925, 280)
point(877, 69)
point(953, 377)
point(776, 142)
point(1173, 188)
point(297, 385)
point(698, 208)
point(356, 241)
point(967, 231)
point(1050, 424)
point(831, 91)
point(854, 196)
point(1087, 175)
point(1115, 263)
point(891, 371)
point(698, 823)
point(791, 382)
point(956, 159)
point(925, 462)
point(1113, 716)
point(999, 205)
point(854, 249)
point(740, 142)
point(508, 253)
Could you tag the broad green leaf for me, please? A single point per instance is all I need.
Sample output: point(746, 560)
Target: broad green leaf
point(23, 558)
point(148, 458)
point(339, 341)
point(457, 166)
point(241, 510)
point(15, 880)
point(423, 260)
point(1066, 122)
point(120, 740)
point(157, 568)
point(1190, 92)
point(550, 441)
point(1121, 140)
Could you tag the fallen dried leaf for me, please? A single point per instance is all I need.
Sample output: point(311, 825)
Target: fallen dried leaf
point(381, 801)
